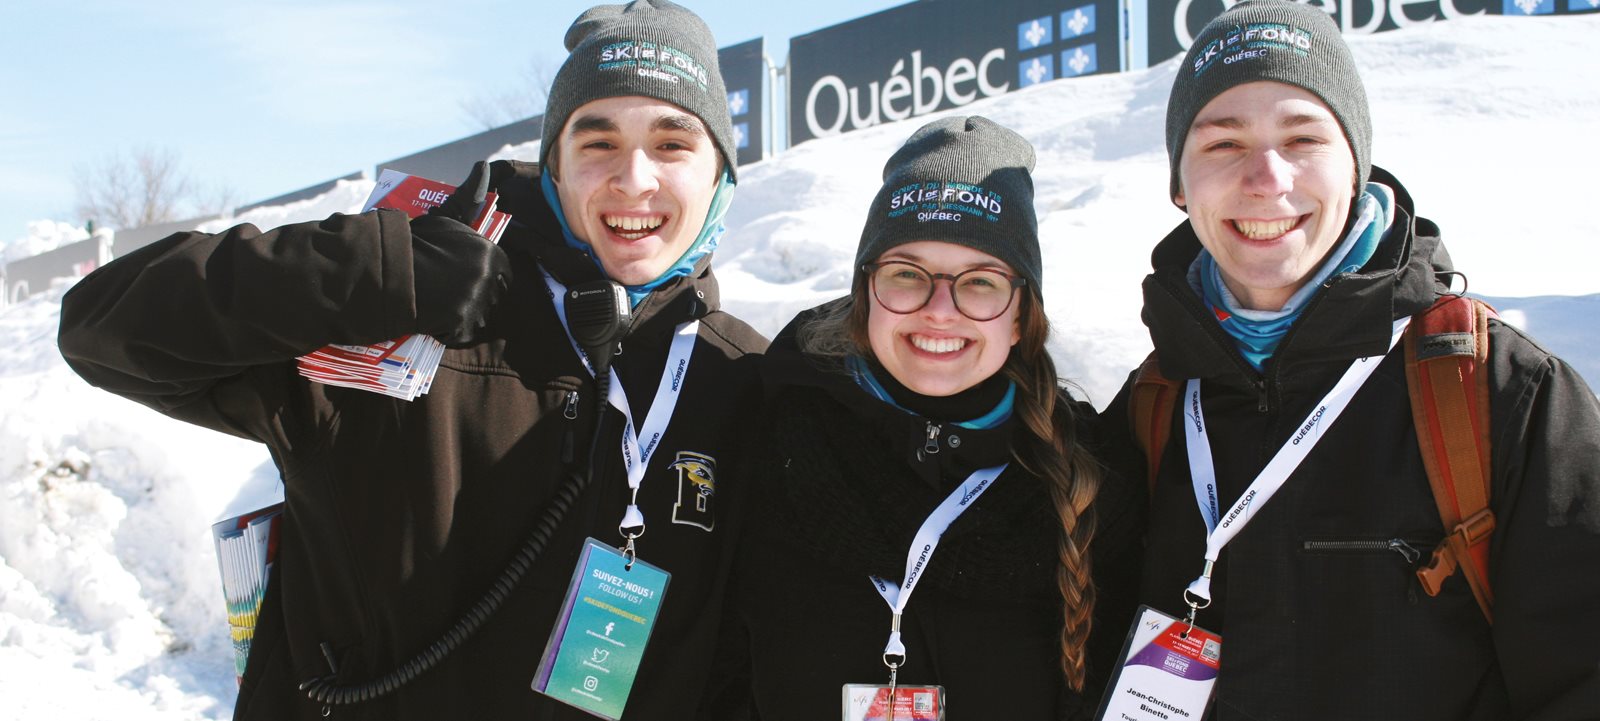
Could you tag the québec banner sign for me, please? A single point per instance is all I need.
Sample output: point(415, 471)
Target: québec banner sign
point(1172, 24)
point(933, 55)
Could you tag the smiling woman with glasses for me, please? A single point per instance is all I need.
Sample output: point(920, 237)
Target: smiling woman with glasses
point(929, 506)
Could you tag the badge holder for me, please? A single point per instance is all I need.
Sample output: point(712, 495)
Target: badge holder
point(872, 702)
point(599, 638)
point(1168, 670)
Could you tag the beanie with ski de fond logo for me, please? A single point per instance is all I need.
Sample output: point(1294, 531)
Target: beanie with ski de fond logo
point(1275, 40)
point(962, 180)
point(651, 48)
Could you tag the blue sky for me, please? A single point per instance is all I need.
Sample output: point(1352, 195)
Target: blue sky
point(268, 96)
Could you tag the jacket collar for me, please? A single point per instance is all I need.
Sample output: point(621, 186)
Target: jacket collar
point(785, 369)
point(535, 233)
point(1349, 318)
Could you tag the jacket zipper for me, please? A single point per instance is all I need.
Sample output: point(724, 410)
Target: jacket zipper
point(933, 438)
point(932, 445)
point(571, 413)
point(1398, 545)
point(569, 440)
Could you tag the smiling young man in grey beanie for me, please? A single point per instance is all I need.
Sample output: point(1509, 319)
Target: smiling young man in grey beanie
point(1299, 265)
point(428, 546)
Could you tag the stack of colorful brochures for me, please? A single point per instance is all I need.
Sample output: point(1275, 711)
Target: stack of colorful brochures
point(246, 547)
point(402, 367)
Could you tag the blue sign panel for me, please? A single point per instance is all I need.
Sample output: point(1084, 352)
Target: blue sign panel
point(1077, 22)
point(1529, 7)
point(933, 55)
point(1034, 33)
point(1036, 70)
point(1080, 60)
point(744, 71)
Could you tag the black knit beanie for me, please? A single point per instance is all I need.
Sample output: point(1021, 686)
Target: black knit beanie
point(1276, 40)
point(963, 180)
point(652, 48)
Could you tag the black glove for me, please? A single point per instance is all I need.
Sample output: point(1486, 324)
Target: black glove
point(467, 200)
point(458, 276)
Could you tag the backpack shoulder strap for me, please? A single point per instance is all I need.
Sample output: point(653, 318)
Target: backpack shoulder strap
point(1150, 413)
point(1446, 349)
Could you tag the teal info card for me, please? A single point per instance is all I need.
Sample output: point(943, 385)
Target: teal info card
point(599, 638)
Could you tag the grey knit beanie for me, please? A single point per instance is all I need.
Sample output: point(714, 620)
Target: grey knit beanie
point(963, 180)
point(1275, 40)
point(652, 48)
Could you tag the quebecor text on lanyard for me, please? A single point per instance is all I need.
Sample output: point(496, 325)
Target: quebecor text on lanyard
point(668, 390)
point(922, 547)
point(1222, 527)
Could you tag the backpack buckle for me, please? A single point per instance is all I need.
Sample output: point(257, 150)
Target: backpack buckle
point(1454, 548)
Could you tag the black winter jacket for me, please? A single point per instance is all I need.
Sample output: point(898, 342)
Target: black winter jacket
point(400, 515)
point(1321, 615)
point(843, 481)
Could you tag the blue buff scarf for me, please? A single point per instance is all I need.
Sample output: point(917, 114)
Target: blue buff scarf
point(1258, 332)
point(706, 242)
point(869, 383)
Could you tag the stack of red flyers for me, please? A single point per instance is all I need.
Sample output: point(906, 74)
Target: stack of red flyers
point(402, 367)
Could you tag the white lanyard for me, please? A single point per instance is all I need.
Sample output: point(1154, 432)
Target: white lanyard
point(666, 400)
point(922, 546)
point(1222, 528)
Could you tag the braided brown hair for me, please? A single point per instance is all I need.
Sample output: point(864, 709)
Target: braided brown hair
point(1053, 453)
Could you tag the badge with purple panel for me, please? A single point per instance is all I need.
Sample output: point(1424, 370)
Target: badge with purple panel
point(1167, 671)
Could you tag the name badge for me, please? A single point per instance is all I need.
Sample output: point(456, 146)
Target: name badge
point(871, 702)
point(598, 641)
point(1167, 671)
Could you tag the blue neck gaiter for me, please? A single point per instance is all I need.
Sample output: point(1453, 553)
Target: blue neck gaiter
point(710, 235)
point(1258, 332)
point(993, 419)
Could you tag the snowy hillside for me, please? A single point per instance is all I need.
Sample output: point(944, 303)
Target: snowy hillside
point(109, 601)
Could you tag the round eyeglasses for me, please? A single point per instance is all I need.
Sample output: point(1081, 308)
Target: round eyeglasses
point(979, 293)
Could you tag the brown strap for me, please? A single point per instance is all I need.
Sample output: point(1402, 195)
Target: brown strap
point(1150, 414)
point(1446, 349)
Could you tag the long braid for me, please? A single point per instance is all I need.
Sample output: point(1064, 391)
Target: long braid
point(1072, 476)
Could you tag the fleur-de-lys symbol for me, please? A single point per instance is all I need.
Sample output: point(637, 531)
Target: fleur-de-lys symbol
point(1527, 6)
point(1036, 34)
point(1079, 61)
point(1037, 71)
point(1078, 22)
point(735, 103)
point(738, 136)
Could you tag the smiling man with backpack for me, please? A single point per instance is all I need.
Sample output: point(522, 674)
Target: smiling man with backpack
point(1384, 500)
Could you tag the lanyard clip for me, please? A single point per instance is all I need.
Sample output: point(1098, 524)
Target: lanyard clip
point(894, 656)
point(894, 652)
point(1198, 595)
point(629, 533)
